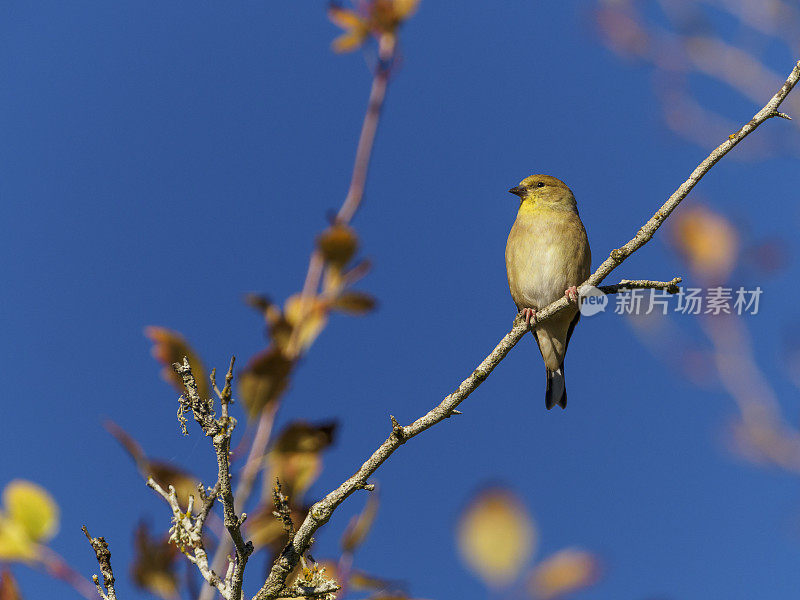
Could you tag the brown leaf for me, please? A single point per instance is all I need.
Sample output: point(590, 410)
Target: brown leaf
point(354, 303)
point(563, 573)
point(8, 586)
point(164, 473)
point(153, 568)
point(167, 474)
point(361, 580)
point(300, 436)
point(296, 459)
point(264, 529)
point(338, 243)
point(360, 524)
point(496, 536)
point(279, 329)
point(264, 380)
point(170, 347)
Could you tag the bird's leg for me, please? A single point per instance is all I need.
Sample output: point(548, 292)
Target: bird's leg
point(571, 293)
point(530, 315)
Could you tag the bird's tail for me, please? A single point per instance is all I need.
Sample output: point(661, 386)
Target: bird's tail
point(556, 392)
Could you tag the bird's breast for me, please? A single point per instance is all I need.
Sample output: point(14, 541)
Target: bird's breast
point(547, 252)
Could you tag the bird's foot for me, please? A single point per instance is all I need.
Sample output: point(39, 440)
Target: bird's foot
point(530, 316)
point(571, 293)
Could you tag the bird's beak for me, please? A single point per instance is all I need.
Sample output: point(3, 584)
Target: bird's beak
point(517, 191)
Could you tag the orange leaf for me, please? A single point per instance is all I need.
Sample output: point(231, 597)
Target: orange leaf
point(348, 42)
point(8, 586)
point(564, 572)
point(708, 242)
point(170, 347)
point(346, 19)
point(496, 536)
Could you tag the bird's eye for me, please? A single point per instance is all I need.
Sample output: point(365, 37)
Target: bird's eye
point(540, 184)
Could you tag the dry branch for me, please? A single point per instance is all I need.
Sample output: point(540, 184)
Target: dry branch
point(321, 512)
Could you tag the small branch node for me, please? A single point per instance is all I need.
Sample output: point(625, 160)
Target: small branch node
point(397, 430)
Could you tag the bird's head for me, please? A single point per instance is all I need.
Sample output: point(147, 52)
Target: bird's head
point(543, 191)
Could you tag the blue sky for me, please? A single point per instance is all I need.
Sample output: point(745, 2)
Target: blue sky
point(160, 160)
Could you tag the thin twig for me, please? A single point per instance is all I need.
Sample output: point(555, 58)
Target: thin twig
point(321, 512)
point(103, 554)
point(358, 178)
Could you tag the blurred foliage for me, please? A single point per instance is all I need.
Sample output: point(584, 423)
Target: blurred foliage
point(163, 472)
point(154, 566)
point(29, 517)
point(565, 572)
point(8, 586)
point(170, 347)
point(377, 18)
point(497, 538)
point(707, 241)
point(735, 43)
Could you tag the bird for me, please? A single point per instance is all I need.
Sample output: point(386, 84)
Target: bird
point(547, 257)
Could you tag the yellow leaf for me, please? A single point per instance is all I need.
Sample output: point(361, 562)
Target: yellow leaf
point(564, 572)
point(8, 586)
point(360, 524)
point(405, 8)
point(496, 536)
point(15, 545)
point(346, 19)
point(307, 316)
point(170, 347)
point(708, 242)
point(33, 508)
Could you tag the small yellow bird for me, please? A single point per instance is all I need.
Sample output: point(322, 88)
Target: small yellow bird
point(547, 256)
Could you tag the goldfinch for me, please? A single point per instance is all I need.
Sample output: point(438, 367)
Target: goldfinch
point(548, 256)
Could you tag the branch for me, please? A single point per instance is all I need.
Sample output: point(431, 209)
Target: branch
point(103, 554)
point(321, 512)
point(641, 284)
point(186, 532)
